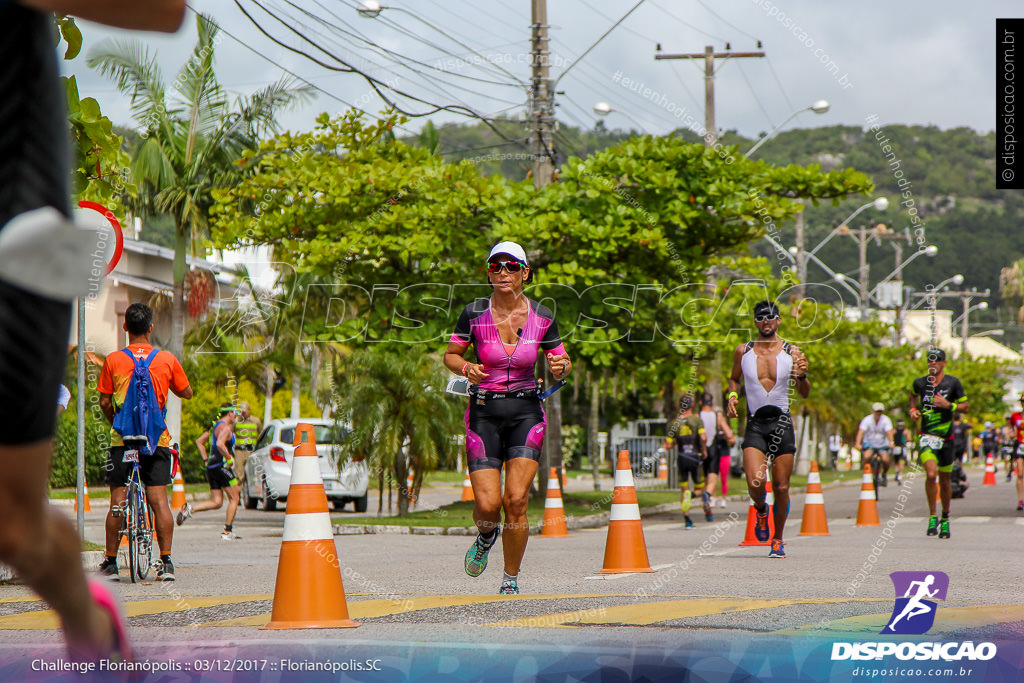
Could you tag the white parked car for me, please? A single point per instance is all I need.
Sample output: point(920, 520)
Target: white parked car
point(268, 471)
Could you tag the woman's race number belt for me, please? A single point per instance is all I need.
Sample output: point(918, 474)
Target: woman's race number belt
point(482, 395)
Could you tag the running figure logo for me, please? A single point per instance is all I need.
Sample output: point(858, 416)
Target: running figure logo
point(914, 613)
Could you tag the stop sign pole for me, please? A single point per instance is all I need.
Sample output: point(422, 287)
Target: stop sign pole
point(81, 340)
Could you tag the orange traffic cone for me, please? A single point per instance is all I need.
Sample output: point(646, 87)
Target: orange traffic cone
point(663, 467)
point(410, 481)
point(467, 488)
point(85, 505)
point(815, 522)
point(867, 511)
point(625, 550)
point(553, 525)
point(749, 538)
point(309, 591)
point(565, 478)
point(990, 473)
point(178, 491)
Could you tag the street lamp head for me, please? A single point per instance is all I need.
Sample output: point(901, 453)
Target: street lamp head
point(794, 251)
point(957, 279)
point(881, 204)
point(819, 107)
point(370, 9)
point(983, 306)
point(602, 109)
point(931, 250)
point(839, 277)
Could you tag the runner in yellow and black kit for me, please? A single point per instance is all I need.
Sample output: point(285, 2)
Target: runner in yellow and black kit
point(940, 395)
point(687, 434)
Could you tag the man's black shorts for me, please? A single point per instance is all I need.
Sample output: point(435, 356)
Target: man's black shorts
point(690, 467)
point(221, 478)
point(154, 470)
point(772, 436)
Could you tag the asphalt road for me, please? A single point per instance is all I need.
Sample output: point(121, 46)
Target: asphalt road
point(410, 591)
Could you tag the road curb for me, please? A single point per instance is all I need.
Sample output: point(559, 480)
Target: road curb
point(91, 560)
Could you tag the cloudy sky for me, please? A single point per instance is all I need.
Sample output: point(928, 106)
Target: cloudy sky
point(913, 62)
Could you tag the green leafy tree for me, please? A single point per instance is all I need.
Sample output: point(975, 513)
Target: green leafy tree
point(192, 136)
point(399, 415)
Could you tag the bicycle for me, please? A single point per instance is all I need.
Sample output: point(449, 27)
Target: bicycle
point(136, 522)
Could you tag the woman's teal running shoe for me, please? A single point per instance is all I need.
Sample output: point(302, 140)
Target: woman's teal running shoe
point(476, 556)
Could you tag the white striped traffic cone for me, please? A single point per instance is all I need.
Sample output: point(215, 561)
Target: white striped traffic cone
point(554, 513)
point(178, 492)
point(309, 591)
point(815, 521)
point(467, 488)
point(625, 550)
point(867, 510)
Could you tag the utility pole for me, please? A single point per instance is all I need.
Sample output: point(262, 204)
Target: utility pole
point(862, 235)
point(709, 56)
point(542, 105)
point(542, 115)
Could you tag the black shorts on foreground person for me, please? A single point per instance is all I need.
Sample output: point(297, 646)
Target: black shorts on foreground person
point(36, 540)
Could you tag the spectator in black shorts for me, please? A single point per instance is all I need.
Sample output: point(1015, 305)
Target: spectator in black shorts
point(36, 540)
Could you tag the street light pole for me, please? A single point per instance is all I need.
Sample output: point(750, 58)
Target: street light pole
point(819, 107)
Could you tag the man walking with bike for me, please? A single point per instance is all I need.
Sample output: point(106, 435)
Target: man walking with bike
point(165, 374)
point(875, 436)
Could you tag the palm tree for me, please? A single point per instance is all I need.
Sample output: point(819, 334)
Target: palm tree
point(190, 140)
point(394, 400)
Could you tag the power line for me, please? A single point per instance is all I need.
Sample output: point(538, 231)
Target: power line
point(730, 25)
point(294, 75)
point(689, 26)
point(756, 97)
point(603, 36)
point(348, 68)
point(389, 54)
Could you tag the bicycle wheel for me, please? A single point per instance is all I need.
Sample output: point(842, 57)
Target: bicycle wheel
point(131, 513)
point(144, 537)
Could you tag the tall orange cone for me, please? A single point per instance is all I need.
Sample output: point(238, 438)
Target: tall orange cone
point(662, 467)
point(178, 491)
point(309, 591)
point(625, 550)
point(815, 522)
point(554, 514)
point(990, 473)
point(467, 488)
point(85, 504)
point(867, 511)
point(749, 538)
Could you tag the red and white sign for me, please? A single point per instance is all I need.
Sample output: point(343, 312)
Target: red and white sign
point(100, 218)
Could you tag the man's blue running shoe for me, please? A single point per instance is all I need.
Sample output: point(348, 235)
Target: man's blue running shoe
point(778, 549)
point(509, 588)
point(476, 556)
point(761, 527)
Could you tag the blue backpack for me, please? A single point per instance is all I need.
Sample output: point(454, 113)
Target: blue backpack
point(141, 418)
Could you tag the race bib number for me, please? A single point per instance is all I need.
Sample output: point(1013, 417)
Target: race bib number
point(931, 442)
point(131, 455)
point(897, 450)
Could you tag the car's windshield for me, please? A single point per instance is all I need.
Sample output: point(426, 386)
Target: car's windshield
point(324, 434)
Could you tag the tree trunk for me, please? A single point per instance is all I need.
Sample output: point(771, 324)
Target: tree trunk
point(268, 395)
point(402, 477)
point(595, 427)
point(380, 491)
point(296, 387)
point(179, 268)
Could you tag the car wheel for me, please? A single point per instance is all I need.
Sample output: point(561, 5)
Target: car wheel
point(269, 502)
point(339, 504)
point(250, 500)
point(362, 503)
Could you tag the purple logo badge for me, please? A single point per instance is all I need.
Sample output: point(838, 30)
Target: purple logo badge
point(916, 592)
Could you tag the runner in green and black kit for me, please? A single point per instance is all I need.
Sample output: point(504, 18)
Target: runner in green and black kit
point(940, 395)
point(687, 434)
